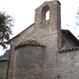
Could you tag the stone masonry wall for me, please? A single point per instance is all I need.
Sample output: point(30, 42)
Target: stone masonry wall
point(29, 62)
point(69, 65)
point(3, 69)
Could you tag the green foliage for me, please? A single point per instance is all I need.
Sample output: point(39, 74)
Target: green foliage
point(6, 22)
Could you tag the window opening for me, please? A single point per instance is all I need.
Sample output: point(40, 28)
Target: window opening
point(47, 15)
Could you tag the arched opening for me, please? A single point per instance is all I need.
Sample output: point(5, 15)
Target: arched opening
point(45, 13)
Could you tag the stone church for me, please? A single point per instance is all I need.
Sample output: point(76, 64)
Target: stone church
point(43, 50)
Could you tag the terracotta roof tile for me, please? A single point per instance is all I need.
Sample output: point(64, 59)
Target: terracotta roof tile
point(29, 43)
point(68, 49)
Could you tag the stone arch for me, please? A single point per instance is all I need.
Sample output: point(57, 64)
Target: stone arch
point(45, 13)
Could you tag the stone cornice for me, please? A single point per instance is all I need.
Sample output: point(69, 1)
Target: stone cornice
point(29, 43)
point(68, 49)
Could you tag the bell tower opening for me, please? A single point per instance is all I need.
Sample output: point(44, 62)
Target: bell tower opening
point(45, 13)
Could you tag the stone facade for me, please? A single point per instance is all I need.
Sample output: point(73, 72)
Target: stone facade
point(69, 64)
point(29, 63)
point(4, 60)
point(46, 33)
point(43, 50)
point(3, 69)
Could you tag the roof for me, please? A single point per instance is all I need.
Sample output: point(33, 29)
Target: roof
point(71, 36)
point(65, 32)
point(5, 56)
point(20, 33)
point(68, 34)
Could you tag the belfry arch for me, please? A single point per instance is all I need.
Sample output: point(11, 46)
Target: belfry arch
point(45, 13)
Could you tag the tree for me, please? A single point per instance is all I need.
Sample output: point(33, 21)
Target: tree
point(6, 22)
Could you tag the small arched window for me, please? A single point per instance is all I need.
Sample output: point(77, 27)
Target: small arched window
point(45, 13)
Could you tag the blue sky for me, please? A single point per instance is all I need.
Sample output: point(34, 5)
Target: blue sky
point(23, 12)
